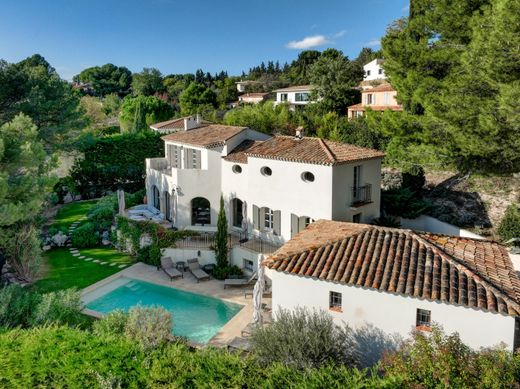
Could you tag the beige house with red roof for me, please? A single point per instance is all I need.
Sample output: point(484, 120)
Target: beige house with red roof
point(399, 280)
point(273, 187)
point(378, 98)
point(252, 98)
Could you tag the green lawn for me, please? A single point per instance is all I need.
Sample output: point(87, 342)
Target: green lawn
point(72, 212)
point(64, 271)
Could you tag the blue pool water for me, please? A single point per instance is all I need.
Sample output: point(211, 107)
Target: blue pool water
point(196, 317)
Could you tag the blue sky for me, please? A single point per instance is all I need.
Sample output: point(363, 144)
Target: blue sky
point(180, 36)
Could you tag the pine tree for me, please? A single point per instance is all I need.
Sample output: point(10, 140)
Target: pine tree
point(221, 237)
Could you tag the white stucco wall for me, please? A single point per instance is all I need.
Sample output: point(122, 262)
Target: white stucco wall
point(431, 224)
point(373, 67)
point(343, 181)
point(291, 97)
point(391, 312)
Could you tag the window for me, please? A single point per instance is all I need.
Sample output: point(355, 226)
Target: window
point(200, 211)
point(380, 71)
point(269, 219)
point(358, 114)
point(370, 99)
point(368, 73)
point(167, 207)
point(156, 198)
point(238, 214)
point(335, 301)
point(301, 96)
point(237, 169)
point(192, 158)
point(307, 220)
point(249, 265)
point(308, 177)
point(424, 319)
point(356, 184)
point(356, 218)
point(283, 96)
point(387, 98)
point(266, 171)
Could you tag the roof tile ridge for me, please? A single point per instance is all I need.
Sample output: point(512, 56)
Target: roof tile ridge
point(468, 270)
point(327, 150)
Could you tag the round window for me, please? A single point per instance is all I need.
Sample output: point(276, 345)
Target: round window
point(266, 171)
point(237, 169)
point(307, 177)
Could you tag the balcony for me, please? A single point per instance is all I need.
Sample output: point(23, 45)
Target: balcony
point(361, 195)
point(160, 164)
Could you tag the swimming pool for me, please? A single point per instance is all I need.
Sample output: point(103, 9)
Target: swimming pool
point(195, 316)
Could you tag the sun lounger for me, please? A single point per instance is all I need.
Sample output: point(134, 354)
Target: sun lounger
point(169, 268)
point(267, 293)
point(194, 267)
point(239, 281)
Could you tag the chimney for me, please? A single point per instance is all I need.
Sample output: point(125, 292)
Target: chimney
point(190, 122)
point(299, 132)
point(199, 118)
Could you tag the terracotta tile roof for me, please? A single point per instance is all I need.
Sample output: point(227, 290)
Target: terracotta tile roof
point(454, 270)
point(363, 107)
point(207, 136)
point(296, 88)
point(253, 95)
point(239, 153)
point(173, 124)
point(311, 150)
point(386, 87)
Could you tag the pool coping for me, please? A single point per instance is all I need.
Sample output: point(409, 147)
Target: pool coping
point(147, 273)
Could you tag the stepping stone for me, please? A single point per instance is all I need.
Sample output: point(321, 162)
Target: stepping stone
point(69, 244)
point(74, 251)
point(74, 248)
point(76, 254)
point(113, 264)
point(88, 259)
point(103, 263)
point(82, 257)
point(121, 266)
point(96, 260)
point(74, 224)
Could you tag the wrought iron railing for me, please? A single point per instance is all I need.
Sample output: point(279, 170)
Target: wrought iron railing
point(361, 195)
point(207, 241)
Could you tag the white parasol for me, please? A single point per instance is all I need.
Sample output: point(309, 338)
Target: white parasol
point(121, 201)
point(258, 291)
point(244, 218)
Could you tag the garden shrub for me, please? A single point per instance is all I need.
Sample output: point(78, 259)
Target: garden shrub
point(223, 272)
point(60, 307)
point(403, 202)
point(509, 227)
point(16, 306)
point(149, 326)
point(85, 236)
point(112, 324)
point(413, 178)
point(151, 255)
point(102, 217)
point(301, 339)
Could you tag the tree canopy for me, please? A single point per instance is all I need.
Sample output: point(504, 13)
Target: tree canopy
point(197, 98)
point(143, 110)
point(148, 82)
point(106, 79)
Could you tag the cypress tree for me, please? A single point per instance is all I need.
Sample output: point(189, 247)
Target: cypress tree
point(221, 238)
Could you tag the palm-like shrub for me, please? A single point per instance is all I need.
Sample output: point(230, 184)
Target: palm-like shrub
point(302, 339)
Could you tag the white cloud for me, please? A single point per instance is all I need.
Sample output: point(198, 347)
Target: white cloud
point(308, 42)
point(373, 43)
point(339, 34)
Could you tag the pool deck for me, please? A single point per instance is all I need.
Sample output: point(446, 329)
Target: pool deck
point(212, 288)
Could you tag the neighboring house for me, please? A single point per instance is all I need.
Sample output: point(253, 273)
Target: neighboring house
point(378, 98)
point(180, 124)
point(374, 70)
point(295, 96)
point(273, 187)
point(242, 85)
point(399, 280)
point(252, 98)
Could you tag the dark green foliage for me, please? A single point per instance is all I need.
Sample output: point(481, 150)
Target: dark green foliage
point(148, 82)
point(106, 79)
point(85, 236)
point(151, 255)
point(24, 308)
point(227, 271)
point(441, 360)
point(137, 113)
point(197, 98)
point(263, 117)
point(102, 217)
point(387, 221)
point(221, 237)
point(403, 202)
point(302, 339)
point(509, 227)
point(33, 87)
point(413, 178)
point(115, 162)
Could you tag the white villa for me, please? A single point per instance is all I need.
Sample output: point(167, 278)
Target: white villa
point(374, 70)
point(295, 96)
point(399, 280)
point(273, 187)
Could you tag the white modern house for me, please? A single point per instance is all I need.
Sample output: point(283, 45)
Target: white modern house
point(400, 280)
point(273, 187)
point(242, 85)
point(295, 96)
point(374, 70)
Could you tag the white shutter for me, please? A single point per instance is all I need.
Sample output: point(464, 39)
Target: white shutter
point(294, 224)
point(256, 217)
point(277, 223)
point(197, 156)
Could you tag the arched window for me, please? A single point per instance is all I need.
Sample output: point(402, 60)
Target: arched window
point(200, 211)
point(238, 214)
point(156, 197)
point(167, 206)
